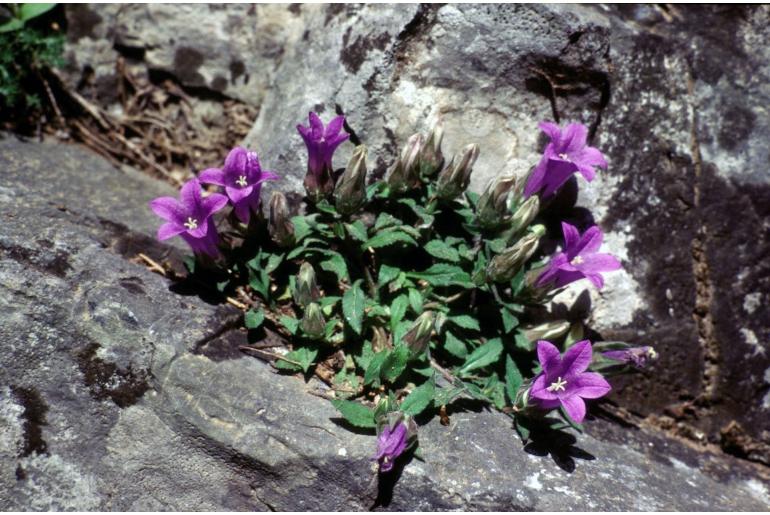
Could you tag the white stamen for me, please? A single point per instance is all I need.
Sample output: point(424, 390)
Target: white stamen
point(242, 182)
point(559, 385)
point(564, 156)
point(577, 260)
point(191, 223)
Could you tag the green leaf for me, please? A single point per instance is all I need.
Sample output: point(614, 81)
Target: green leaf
point(353, 306)
point(494, 390)
point(398, 310)
point(29, 11)
point(365, 357)
point(523, 343)
point(253, 319)
point(289, 323)
point(387, 274)
point(455, 346)
point(464, 321)
point(498, 245)
point(395, 363)
point(355, 413)
point(420, 398)
point(357, 230)
point(386, 220)
point(444, 274)
point(260, 283)
point(513, 378)
point(441, 250)
point(444, 396)
point(336, 264)
point(385, 239)
point(273, 262)
point(372, 373)
point(302, 227)
point(415, 300)
point(483, 356)
point(11, 25)
point(510, 321)
point(522, 427)
point(303, 356)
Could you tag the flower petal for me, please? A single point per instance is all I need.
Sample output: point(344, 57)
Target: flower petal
point(593, 263)
point(576, 359)
point(268, 176)
point(540, 390)
point(242, 211)
point(574, 138)
point(237, 195)
point(589, 156)
point(212, 204)
point(597, 280)
point(557, 172)
point(169, 209)
point(565, 277)
point(236, 160)
point(535, 180)
point(586, 171)
point(169, 230)
point(190, 196)
point(590, 385)
point(590, 241)
point(549, 356)
point(334, 127)
point(571, 239)
point(212, 176)
point(551, 130)
point(575, 408)
point(316, 126)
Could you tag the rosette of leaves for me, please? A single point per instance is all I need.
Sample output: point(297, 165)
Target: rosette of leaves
point(410, 290)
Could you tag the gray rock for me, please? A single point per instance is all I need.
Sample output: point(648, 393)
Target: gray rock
point(675, 96)
point(112, 398)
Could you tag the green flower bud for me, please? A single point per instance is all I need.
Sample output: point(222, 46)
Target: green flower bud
point(492, 207)
point(313, 322)
point(521, 402)
point(550, 331)
point(505, 265)
point(405, 171)
point(454, 179)
point(306, 290)
point(418, 336)
point(380, 340)
point(350, 193)
point(525, 213)
point(279, 223)
point(431, 159)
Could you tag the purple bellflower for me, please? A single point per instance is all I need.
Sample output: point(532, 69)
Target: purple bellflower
point(321, 143)
point(190, 217)
point(564, 380)
point(242, 179)
point(638, 356)
point(391, 443)
point(579, 259)
point(566, 154)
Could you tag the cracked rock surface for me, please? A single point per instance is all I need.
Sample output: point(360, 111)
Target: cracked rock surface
point(677, 99)
point(106, 402)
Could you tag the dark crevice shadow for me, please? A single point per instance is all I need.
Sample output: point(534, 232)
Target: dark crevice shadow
point(386, 481)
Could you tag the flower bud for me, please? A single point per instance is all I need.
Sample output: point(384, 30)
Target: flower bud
point(380, 340)
point(453, 180)
point(550, 331)
point(505, 265)
point(396, 433)
point(525, 213)
point(313, 322)
point(431, 159)
point(521, 402)
point(350, 193)
point(637, 356)
point(418, 336)
point(306, 290)
point(404, 172)
point(492, 207)
point(279, 224)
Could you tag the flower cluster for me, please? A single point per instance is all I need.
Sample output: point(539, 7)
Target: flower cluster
point(408, 293)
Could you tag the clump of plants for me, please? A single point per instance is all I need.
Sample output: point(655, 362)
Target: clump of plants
point(26, 49)
point(408, 293)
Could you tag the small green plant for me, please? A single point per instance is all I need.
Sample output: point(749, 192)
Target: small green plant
point(411, 292)
point(25, 51)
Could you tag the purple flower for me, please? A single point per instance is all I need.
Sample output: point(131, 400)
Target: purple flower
point(242, 178)
point(566, 154)
point(321, 143)
point(639, 356)
point(391, 443)
point(190, 218)
point(564, 380)
point(579, 259)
